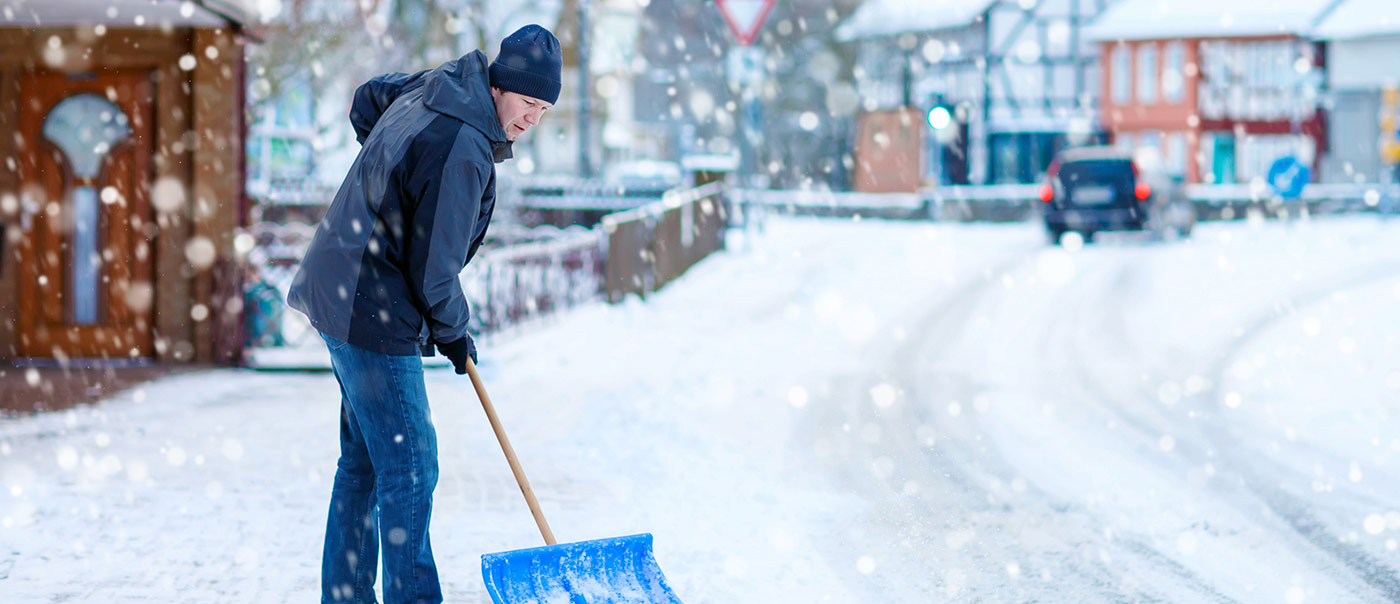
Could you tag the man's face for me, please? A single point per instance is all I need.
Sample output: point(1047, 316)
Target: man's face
point(517, 112)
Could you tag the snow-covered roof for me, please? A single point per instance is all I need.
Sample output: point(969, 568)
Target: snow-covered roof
point(1158, 20)
point(125, 13)
point(1360, 19)
point(882, 18)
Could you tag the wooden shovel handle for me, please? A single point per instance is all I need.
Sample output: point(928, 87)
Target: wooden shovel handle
point(510, 454)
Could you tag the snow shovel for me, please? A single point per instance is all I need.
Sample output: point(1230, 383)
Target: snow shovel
point(620, 569)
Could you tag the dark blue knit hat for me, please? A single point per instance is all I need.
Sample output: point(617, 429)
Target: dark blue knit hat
point(529, 64)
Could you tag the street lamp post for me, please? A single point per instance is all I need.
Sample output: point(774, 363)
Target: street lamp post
point(585, 125)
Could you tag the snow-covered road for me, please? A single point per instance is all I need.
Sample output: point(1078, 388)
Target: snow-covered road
point(843, 412)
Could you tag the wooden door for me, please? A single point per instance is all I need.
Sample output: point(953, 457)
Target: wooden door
point(86, 282)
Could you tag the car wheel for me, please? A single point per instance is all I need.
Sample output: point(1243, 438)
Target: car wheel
point(1053, 235)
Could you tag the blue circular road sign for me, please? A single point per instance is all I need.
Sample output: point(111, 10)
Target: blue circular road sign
point(1288, 176)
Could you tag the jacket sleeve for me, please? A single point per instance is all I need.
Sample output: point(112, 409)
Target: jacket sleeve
point(488, 208)
point(443, 223)
point(374, 97)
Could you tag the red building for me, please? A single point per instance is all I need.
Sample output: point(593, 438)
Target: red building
point(1220, 91)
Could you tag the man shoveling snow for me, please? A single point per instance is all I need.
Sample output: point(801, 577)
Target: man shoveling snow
point(379, 282)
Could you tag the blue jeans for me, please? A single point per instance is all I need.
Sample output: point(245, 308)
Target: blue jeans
point(384, 481)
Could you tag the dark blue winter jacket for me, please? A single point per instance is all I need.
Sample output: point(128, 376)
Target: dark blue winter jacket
point(381, 271)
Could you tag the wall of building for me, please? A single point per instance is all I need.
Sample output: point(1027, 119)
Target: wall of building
point(198, 148)
point(1029, 80)
point(1364, 64)
point(888, 151)
point(1357, 70)
point(1215, 110)
point(1149, 98)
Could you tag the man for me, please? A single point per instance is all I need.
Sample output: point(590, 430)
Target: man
point(379, 282)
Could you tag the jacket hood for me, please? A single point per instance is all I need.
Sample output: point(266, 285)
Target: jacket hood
point(462, 89)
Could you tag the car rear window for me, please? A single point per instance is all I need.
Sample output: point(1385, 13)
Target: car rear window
point(1113, 172)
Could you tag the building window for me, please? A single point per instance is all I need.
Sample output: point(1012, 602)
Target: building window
point(1123, 141)
point(1023, 157)
point(1257, 152)
point(1147, 74)
point(1122, 76)
point(1213, 61)
point(1175, 154)
point(1149, 148)
point(1173, 81)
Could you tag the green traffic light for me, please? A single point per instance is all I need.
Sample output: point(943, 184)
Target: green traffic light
point(939, 117)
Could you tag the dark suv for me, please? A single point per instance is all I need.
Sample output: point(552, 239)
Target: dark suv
point(1091, 189)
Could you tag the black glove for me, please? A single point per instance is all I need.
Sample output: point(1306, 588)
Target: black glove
point(457, 351)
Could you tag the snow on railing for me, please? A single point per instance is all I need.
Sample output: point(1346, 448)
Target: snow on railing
point(963, 202)
point(567, 192)
point(1365, 193)
point(298, 191)
point(829, 199)
point(1017, 201)
point(999, 192)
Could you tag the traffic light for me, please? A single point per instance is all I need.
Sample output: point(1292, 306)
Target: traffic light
point(940, 117)
point(950, 130)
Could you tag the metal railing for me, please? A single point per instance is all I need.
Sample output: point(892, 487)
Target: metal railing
point(635, 251)
point(512, 285)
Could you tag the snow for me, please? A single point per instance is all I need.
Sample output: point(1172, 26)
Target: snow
point(710, 162)
point(843, 411)
point(1353, 19)
point(1157, 20)
point(126, 13)
point(881, 18)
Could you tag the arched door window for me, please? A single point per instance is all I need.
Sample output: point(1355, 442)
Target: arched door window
point(85, 127)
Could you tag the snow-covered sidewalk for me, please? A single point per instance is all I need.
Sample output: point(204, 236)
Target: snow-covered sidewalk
point(670, 416)
point(731, 416)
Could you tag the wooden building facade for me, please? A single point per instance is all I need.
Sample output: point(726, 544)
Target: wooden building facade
point(121, 181)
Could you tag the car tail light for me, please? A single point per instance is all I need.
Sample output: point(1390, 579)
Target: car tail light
point(1142, 190)
point(1047, 193)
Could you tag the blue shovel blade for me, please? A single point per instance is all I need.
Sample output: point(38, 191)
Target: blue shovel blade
point(612, 571)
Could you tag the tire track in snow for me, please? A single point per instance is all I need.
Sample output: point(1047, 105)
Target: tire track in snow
point(1369, 570)
point(1291, 511)
point(836, 421)
point(1092, 385)
point(1097, 576)
point(1092, 577)
point(971, 473)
